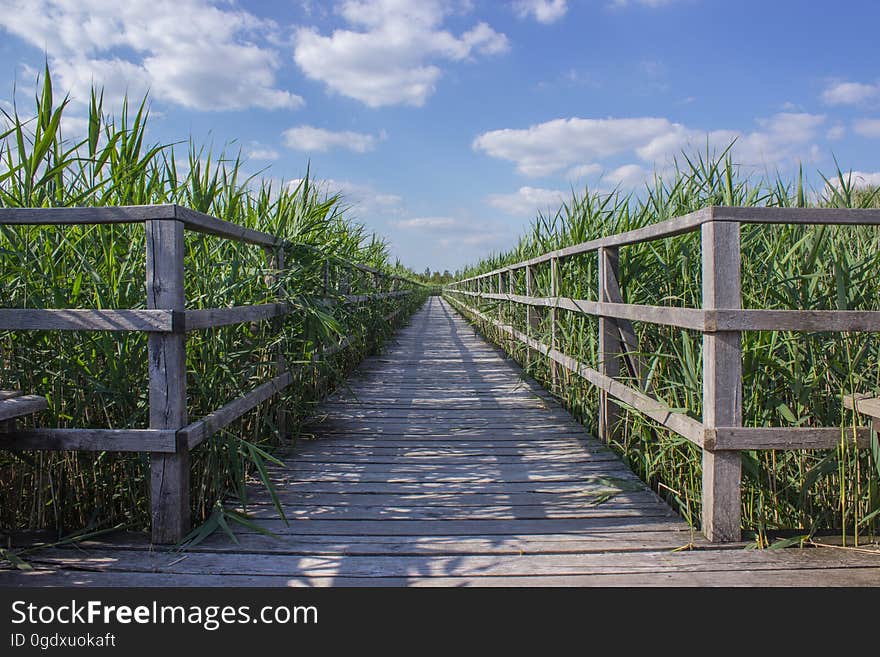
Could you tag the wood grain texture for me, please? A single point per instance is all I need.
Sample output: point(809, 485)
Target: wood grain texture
point(656, 409)
point(104, 215)
point(609, 344)
point(864, 404)
point(28, 319)
point(166, 353)
point(91, 440)
point(722, 382)
point(214, 317)
point(434, 500)
point(21, 405)
point(703, 320)
point(694, 221)
point(192, 435)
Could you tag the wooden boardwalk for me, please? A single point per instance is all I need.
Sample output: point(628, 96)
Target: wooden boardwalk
point(442, 464)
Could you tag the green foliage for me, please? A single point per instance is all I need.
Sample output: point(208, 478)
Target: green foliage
point(790, 379)
point(99, 379)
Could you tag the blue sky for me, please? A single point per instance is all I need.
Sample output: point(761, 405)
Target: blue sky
point(448, 124)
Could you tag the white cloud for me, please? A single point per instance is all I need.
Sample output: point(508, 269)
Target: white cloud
point(391, 56)
point(310, 138)
point(867, 128)
point(187, 52)
point(257, 151)
point(543, 11)
point(628, 176)
point(446, 232)
point(363, 198)
point(850, 93)
point(582, 171)
point(835, 132)
point(859, 179)
point(526, 201)
point(431, 223)
point(547, 148)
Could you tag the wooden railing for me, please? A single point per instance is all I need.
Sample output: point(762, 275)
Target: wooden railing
point(721, 320)
point(166, 320)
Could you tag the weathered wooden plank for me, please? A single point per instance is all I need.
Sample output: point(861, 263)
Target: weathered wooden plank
point(91, 440)
point(802, 577)
point(593, 496)
point(523, 415)
point(670, 228)
point(636, 507)
point(500, 454)
point(10, 394)
point(418, 545)
point(390, 456)
point(689, 318)
point(773, 215)
point(494, 487)
point(864, 404)
point(22, 405)
point(166, 353)
point(722, 382)
point(214, 317)
point(467, 461)
point(388, 484)
point(28, 319)
point(430, 422)
point(79, 215)
point(205, 223)
point(792, 320)
point(402, 432)
point(739, 438)
point(609, 342)
point(435, 475)
point(693, 221)
point(657, 410)
point(195, 433)
point(575, 467)
point(440, 402)
point(277, 265)
point(494, 437)
point(541, 443)
point(475, 566)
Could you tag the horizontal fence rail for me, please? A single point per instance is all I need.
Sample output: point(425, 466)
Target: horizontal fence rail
point(166, 321)
point(721, 320)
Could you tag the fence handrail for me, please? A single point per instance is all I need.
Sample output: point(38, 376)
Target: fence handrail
point(166, 321)
point(721, 319)
point(192, 219)
point(691, 222)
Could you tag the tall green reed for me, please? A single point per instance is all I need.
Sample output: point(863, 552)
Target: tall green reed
point(790, 378)
point(99, 379)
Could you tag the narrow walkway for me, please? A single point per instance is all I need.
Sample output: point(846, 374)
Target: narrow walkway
point(441, 464)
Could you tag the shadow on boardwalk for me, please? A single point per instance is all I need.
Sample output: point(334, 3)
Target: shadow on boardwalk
point(442, 464)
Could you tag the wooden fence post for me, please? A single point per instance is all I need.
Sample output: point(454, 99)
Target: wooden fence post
point(554, 341)
point(609, 343)
point(532, 318)
point(511, 307)
point(169, 473)
point(499, 291)
point(277, 264)
point(722, 381)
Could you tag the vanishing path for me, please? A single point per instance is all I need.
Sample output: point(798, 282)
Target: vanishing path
point(443, 464)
